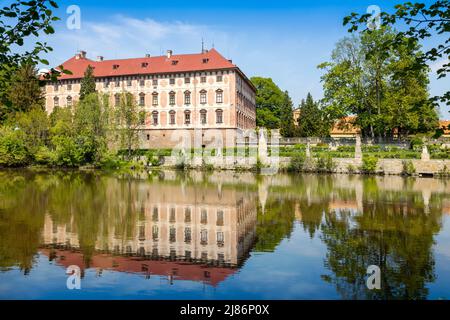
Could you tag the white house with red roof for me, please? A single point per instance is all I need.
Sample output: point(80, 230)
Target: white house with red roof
point(202, 91)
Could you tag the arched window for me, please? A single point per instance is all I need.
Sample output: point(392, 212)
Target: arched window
point(172, 98)
point(154, 98)
point(203, 116)
point(187, 117)
point(203, 97)
point(219, 96)
point(155, 118)
point(187, 97)
point(171, 117)
point(219, 116)
point(142, 99)
point(56, 102)
point(69, 101)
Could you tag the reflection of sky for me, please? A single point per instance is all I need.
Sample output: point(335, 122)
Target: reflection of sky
point(440, 289)
point(292, 271)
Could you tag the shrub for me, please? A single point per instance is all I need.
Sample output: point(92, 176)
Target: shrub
point(369, 164)
point(325, 163)
point(351, 168)
point(13, 150)
point(346, 149)
point(408, 168)
point(68, 154)
point(296, 163)
point(44, 156)
point(416, 143)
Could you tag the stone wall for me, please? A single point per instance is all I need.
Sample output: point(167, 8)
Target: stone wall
point(342, 165)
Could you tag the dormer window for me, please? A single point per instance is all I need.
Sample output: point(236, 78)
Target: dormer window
point(144, 64)
point(205, 60)
point(115, 66)
point(174, 62)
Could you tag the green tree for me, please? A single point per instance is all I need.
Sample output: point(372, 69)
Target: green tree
point(311, 122)
point(19, 21)
point(24, 92)
point(422, 21)
point(377, 84)
point(87, 83)
point(287, 128)
point(269, 102)
point(128, 119)
point(90, 128)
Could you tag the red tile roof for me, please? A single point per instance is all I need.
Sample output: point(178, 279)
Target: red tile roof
point(183, 270)
point(210, 60)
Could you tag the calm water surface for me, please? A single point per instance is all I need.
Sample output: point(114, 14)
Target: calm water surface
point(169, 235)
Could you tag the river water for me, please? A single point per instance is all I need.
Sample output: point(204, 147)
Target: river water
point(222, 235)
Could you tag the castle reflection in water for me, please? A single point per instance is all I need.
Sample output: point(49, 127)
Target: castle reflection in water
point(180, 231)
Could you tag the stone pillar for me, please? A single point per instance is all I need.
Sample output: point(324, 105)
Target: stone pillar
point(425, 155)
point(308, 151)
point(262, 148)
point(358, 151)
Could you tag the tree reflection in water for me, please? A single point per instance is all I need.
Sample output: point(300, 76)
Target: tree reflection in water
point(217, 219)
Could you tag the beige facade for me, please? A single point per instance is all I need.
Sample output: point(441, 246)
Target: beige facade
point(216, 97)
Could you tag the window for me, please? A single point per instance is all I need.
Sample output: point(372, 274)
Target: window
point(155, 232)
point(172, 81)
point(172, 98)
point(116, 100)
point(129, 83)
point(203, 79)
point(142, 99)
point(69, 87)
point(155, 117)
point(117, 83)
point(220, 238)
point(219, 78)
point(187, 117)
point(187, 235)
point(219, 221)
point(172, 117)
point(172, 234)
point(219, 116)
point(187, 215)
point(56, 102)
point(187, 80)
point(142, 83)
point(203, 116)
point(172, 215)
point(203, 97)
point(69, 101)
point(154, 99)
point(219, 96)
point(155, 82)
point(55, 87)
point(204, 236)
point(187, 97)
point(204, 217)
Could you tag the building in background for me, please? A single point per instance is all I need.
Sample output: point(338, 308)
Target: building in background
point(203, 91)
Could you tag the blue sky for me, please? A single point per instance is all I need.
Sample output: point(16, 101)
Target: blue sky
point(284, 40)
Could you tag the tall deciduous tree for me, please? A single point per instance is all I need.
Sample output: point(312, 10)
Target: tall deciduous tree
point(128, 120)
point(269, 101)
point(87, 83)
point(18, 21)
point(376, 83)
point(422, 21)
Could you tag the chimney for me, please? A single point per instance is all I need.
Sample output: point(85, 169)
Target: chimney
point(148, 55)
point(99, 58)
point(82, 54)
point(169, 54)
